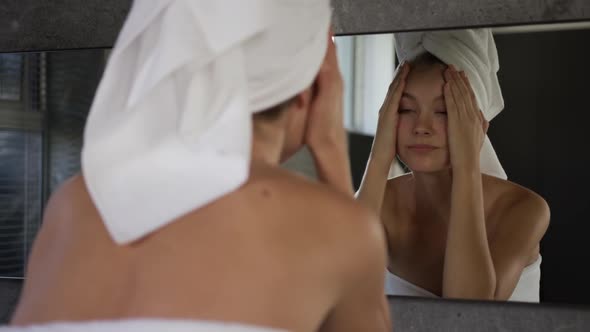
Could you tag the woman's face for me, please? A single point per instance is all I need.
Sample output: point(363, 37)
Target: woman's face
point(422, 124)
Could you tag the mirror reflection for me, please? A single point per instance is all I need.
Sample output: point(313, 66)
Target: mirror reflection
point(453, 237)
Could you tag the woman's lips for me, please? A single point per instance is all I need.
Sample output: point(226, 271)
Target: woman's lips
point(422, 147)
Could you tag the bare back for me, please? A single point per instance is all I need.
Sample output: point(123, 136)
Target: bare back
point(278, 252)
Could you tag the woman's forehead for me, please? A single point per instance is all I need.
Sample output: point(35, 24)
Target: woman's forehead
point(425, 82)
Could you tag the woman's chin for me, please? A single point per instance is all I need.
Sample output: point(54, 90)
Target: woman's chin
point(424, 167)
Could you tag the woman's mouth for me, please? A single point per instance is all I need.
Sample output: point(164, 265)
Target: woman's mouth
point(423, 148)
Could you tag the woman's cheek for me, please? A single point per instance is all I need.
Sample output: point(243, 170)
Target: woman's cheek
point(442, 125)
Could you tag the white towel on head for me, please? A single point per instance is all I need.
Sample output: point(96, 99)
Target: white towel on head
point(170, 127)
point(473, 51)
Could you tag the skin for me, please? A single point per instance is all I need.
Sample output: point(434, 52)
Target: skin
point(450, 229)
point(281, 251)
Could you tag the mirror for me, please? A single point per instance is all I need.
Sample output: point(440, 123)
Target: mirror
point(539, 137)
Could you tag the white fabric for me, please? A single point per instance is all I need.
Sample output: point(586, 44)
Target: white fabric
point(473, 51)
point(139, 325)
point(170, 127)
point(527, 288)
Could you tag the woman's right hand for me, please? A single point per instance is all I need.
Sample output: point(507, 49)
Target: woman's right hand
point(325, 134)
point(384, 143)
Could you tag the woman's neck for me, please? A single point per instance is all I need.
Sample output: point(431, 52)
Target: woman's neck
point(267, 143)
point(432, 195)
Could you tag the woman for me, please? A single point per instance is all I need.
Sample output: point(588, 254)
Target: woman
point(453, 230)
point(182, 218)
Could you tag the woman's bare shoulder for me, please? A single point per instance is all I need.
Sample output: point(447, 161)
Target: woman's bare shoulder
point(509, 192)
point(516, 203)
point(70, 197)
point(327, 218)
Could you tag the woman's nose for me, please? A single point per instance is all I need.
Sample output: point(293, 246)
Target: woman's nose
point(423, 125)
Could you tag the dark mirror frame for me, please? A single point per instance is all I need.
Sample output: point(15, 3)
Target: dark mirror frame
point(33, 25)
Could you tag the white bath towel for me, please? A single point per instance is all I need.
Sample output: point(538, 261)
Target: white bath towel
point(527, 288)
point(473, 51)
point(139, 325)
point(170, 127)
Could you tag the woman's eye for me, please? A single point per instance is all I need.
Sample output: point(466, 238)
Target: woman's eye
point(442, 113)
point(404, 110)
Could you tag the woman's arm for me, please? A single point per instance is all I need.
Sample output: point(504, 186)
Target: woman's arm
point(372, 188)
point(473, 267)
point(325, 134)
point(525, 220)
point(469, 270)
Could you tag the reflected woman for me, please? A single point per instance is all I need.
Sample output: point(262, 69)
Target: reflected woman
point(456, 228)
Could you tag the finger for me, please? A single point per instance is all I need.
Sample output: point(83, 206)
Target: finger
point(396, 97)
point(331, 58)
point(471, 92)
point(328, 86)
point(457, 97)
point(480, 116)
point(464, 96)
point(389, 110)
point(450, 102)
point(396, 87)
point(330, 70)
point(468, 96)
point(403, 70)
point(447, 74)
point(400, 74)
point(484, 123)
point(400, 83)
point(472, 101)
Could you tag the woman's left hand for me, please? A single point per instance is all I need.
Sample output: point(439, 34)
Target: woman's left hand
point(467, 126)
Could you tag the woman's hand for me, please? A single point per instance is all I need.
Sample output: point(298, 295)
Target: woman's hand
point(325, 125)
point(467, 126)
point(325, 135)
point(384, 144)
point(372, 189)
point(469, 269)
